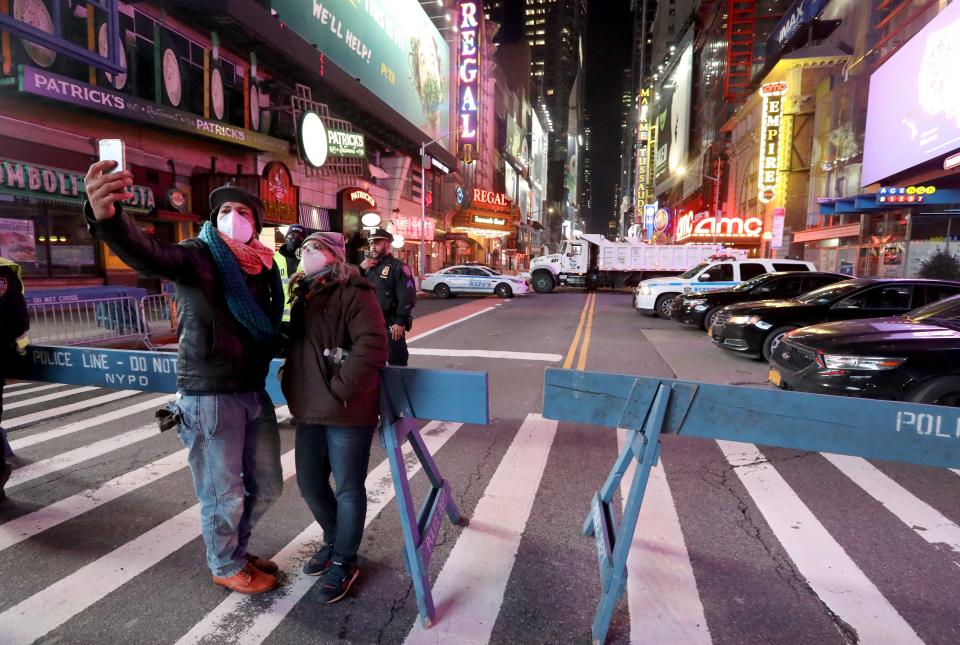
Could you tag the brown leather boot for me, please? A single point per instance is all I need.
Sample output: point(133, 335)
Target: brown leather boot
point(267, 566)
point(248, 580)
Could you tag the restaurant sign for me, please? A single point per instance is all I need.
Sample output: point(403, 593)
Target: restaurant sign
point(409, 227)
point(30, 180)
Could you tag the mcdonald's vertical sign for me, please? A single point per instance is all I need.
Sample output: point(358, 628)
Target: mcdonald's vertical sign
point(469, 15)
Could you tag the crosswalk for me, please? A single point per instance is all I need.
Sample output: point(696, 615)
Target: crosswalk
point(87, 456)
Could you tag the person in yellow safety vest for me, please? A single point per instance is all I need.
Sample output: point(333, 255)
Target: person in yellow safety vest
point(14, 325)
point(288, 261)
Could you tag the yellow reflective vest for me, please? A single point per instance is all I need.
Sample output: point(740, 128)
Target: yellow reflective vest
point(24, 339)
point(281, 261)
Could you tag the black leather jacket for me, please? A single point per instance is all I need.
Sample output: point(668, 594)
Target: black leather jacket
point(216, 353)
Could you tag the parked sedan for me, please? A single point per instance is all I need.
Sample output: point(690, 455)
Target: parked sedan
point(756, 328)
point(910, 358)
point(473, 279)
point(701, 308)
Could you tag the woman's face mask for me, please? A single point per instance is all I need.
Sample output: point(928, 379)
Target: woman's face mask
point(234, 221)
point(314, 258)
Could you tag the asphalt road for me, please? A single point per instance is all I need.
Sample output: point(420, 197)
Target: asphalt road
point(736, 544)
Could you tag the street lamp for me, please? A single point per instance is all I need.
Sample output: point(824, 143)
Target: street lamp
point(423, 197)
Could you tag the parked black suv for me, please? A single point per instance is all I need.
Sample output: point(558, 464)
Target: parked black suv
point(909, 358)
point(701, 308)
point(756, 328)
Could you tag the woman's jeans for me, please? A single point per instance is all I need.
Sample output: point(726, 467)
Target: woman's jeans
point(345, 452)
point(234, 455)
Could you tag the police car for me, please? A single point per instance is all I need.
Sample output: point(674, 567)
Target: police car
point(472, 279)
point(656, 295)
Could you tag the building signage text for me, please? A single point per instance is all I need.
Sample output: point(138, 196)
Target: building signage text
point(468, 77)
point(409, 227)
point(490, 198)
point(729, 227)
point(905, 195)
point(491, 221)
point(772, 115)
point(38, 181)
point(362, 196)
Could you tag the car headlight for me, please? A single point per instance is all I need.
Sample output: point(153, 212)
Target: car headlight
point(743, 320)
point(645, 290)
point(871, 363)
point(694, 302)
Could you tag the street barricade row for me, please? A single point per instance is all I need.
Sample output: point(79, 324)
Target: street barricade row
point(648, 407)
point(137, 321)
point(406, 395)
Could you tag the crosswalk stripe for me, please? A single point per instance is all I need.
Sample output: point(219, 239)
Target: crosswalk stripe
point(483, 556)
point(13, 386)
point(923, 519)
point(662, 593)
point(70, 458)
point(833, 576)
point(250, 621)
point(43, 415)
point(49, 397)
point(29, 390)
point(77, 426)
point(26, 526)
point(46, 610)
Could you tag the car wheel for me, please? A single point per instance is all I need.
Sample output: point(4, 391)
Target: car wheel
point(664, 302)
point(710, 317)
point(503, 290)
point(773, 339)
point(442, 291)
point(543, 282)
point(939, 391)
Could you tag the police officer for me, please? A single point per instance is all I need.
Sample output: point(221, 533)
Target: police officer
point(396, 293)
point(14, 324)
point(288, 261)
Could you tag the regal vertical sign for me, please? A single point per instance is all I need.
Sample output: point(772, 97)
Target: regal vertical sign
point(772, 115)
point(468, 76)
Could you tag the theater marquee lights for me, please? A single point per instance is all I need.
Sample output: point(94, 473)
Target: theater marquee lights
point(468, 77)
point(772, 113)
point(730, 228)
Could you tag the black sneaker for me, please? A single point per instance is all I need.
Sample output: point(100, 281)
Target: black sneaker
point(5, 471)
point(337, 581)
point(319, 563)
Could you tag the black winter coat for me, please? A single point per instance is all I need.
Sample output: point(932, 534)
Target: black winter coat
point(216, 353)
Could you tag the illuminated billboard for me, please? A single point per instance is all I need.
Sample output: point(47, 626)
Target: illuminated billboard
point(913, 113)
point(673, 114)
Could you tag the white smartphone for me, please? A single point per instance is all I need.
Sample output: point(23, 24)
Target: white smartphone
point(113, 150)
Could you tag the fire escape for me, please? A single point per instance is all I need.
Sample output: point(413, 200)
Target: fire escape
point(741, 33)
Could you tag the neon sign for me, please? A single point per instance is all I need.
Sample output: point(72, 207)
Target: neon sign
point(772, 114)
point(363, 196)
point(730, 227)
point(490, 198)
point(468, 75)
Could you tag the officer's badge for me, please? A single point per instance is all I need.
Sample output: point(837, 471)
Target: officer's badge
point(385, 271)
point(3, 286)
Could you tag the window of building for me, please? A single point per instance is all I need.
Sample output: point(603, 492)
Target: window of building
point(61, 245)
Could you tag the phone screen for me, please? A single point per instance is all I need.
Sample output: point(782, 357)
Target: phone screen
point(113, 150)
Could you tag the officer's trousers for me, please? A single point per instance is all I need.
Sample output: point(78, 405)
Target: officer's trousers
point(397, 353)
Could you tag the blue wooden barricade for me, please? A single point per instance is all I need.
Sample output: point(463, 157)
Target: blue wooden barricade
point(407, 394)
point(648, 407)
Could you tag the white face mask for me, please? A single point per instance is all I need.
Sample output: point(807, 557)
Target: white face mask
point(313, 259)
point(235, 226)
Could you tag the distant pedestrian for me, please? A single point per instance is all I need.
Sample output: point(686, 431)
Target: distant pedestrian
point(230, 300)
point(14, 325)
point(331, 381)
point(396, 293)
point(287, 259)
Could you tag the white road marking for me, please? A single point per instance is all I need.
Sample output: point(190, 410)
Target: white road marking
point(662, 594)
point(43, 415)
point(76, 426)
point(46, 610)
point(30, 390)
point(12, 386)
point(923, 519)
point(25, 527)
point(241, 619)
point(450, 324)
point(830, 572)
point(473, 580)
point(49, 397)
point(73, 457)
point(483, 353)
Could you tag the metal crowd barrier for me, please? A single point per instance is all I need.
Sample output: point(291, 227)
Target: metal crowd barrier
point(648, 407)
point(406, 395)
point(159, 317)
point(104, 320)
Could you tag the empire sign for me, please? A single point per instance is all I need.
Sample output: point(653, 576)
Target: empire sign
point(772, 114)
point(468, 77)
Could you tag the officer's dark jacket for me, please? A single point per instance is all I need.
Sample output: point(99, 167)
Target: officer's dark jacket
point(14, 321)
point(396, 290)
point(216, 353)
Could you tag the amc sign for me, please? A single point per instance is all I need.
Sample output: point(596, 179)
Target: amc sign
point(744, 228)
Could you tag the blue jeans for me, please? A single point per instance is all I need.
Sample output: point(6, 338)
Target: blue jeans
point(345, 452)
point(234, 456)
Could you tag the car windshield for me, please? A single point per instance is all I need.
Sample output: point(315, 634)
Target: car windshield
point(829, 293)
point(751, 283)
point(694, 271)
point(942, 311)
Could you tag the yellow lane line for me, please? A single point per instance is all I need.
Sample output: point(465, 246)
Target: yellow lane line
point(582, 362)
point(572, 352)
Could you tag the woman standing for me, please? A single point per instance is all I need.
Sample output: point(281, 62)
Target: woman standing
point(331, 381)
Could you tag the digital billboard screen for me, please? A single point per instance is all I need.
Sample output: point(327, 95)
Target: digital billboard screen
point(673, 115)
point(913, 113)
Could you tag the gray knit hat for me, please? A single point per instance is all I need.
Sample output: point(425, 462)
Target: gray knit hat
point(333, 242)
